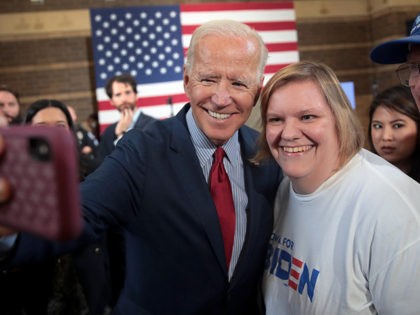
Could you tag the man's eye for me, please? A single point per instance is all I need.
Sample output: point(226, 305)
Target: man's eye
point(241, 84)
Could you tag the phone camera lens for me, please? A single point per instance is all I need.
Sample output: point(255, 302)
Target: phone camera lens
point(39, 149)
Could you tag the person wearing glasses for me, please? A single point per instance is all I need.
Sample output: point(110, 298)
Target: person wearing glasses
point(405, 50)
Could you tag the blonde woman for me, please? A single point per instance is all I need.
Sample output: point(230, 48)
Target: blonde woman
point(346, 235)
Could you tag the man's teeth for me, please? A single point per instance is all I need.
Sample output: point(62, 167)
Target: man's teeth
point(218, 115)
point(296, 149)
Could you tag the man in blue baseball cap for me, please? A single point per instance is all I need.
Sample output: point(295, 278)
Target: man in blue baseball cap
point(404, 50)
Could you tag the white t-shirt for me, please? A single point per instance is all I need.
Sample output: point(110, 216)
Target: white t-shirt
point(351, 247)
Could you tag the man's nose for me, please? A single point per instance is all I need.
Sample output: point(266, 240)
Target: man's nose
point(222, 95)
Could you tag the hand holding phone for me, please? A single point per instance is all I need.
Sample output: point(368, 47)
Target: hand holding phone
point(41, 166)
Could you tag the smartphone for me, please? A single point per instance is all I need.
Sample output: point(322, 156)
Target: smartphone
point(41, 165)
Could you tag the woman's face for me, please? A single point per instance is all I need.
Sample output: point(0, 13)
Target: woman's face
point(394, 135)
point(301, 133)
point(50, 116)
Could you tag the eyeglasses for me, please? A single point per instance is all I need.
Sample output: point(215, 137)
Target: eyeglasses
point(408, 73)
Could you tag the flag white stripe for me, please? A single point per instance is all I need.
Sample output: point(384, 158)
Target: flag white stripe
point(150, 89)
point(269, 37)
point(110, 116)
point(283, 57)
point(250, 16)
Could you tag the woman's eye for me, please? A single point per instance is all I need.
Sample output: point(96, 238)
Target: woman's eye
point(307, 117)
point(376, 126)
point(273, 119)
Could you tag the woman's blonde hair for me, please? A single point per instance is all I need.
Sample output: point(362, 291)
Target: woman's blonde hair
point(349, 130)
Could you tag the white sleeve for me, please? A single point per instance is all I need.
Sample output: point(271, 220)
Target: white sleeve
point(396, 288)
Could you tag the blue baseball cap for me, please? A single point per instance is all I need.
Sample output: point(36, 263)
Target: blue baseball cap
point(396, 51)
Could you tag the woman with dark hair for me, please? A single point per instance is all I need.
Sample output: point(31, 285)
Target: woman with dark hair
point(394, 129)
point(49, 112)
point(55, 113)
point(76, 283)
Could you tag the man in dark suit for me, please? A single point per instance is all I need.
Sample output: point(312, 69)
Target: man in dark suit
point(122, 92)
point(155, 185)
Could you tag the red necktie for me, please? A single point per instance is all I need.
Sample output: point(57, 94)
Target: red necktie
point(222, 196)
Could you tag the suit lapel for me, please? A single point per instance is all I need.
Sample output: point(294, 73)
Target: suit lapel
point(185, 163)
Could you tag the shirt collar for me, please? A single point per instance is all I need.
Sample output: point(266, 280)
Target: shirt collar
point(203, 144)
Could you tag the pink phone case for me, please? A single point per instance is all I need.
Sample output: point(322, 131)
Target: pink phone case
point(42, 166)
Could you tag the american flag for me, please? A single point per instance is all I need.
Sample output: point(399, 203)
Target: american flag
point(150, 43)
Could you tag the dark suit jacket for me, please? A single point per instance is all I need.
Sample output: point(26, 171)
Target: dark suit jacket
point(106, 143)
point(153, 185)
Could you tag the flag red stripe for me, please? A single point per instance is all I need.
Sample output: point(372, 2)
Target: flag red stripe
point(258, 26)
point(274, 68)
point(273, 26)
point(159, 100)
point(105, 105)
point(282, 46)
point(235, 6)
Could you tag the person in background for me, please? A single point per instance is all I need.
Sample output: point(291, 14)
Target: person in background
point(394, 129)
point(91, 124)
point(405, 50)
point(81, 282)
point(122, 92)
point(88, 146)
point(10, 111)
point(180, 258)
point(346, 236)
point(85, 138)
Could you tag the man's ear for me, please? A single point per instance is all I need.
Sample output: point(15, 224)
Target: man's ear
point(186, 80)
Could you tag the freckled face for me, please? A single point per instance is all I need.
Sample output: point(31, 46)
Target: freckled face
point(301, 134)
point(222, 85)
point(394, 135)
